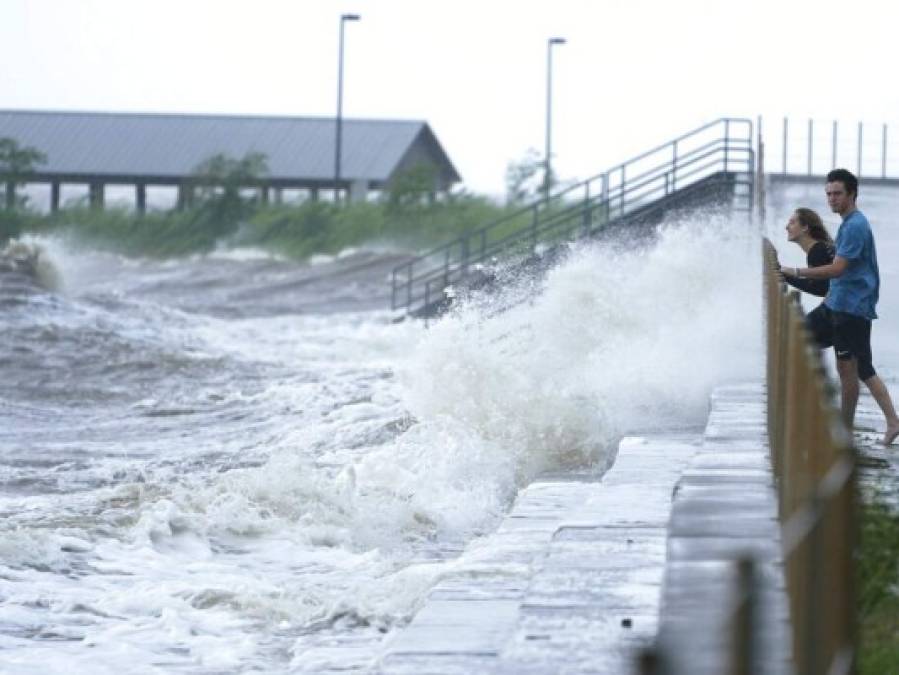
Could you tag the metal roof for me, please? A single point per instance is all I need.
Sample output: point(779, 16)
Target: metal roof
point(173, 145)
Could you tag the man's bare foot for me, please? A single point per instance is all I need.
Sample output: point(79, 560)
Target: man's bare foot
point(891, 433)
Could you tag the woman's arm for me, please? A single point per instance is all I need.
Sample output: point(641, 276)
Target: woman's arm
point(817, 287)
point(831, 271)
point(818, 255)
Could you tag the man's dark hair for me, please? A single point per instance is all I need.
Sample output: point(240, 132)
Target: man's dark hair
point(847, 178)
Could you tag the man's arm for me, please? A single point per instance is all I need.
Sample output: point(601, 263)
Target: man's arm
point(831, 271)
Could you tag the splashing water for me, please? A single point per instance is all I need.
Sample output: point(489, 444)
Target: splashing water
point(315, 475)
point(618, 340)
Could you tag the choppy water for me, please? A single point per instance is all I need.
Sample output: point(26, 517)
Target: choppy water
point(219, 464)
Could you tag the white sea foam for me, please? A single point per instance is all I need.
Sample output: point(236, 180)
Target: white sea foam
point(321, 259)
point(374, 448)
point(242, 253)
point(30, 256)
point(619, 339)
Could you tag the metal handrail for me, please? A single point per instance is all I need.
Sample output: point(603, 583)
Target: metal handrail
point(611, 194)
point(506, 242)
point(450, 273)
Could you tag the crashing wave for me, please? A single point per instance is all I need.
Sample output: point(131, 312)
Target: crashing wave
point(29, 260)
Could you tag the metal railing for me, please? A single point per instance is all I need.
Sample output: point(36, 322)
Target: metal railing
point(814, 465)
point(814, 147)
point(721, 149)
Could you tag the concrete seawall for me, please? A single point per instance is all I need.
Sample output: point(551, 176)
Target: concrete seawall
point(583, 574)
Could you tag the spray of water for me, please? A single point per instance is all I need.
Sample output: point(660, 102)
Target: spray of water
point(616, 340)
point(435, 431)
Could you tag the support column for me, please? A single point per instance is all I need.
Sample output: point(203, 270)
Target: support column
point(54, 196)
point(313, 194)
point(279, 195)
point(358, 191)
point(96, 195)
point(858, 173)
point(785, 146)
point(263, 194)
point(140, 198)
point(185, 196)
point(10, 195)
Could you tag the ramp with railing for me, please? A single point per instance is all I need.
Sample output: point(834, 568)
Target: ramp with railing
point(713, 164)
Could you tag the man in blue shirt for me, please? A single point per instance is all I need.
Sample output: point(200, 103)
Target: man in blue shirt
point(844, 318)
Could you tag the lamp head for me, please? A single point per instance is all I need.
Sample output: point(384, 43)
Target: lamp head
point(350, 17)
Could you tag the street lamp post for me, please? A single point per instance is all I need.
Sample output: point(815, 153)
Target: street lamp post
point(547, 176)
point(339, 124)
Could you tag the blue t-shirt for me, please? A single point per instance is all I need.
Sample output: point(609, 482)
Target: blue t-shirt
point(856, 291)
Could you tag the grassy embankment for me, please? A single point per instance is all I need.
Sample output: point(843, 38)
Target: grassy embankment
point(294, 230)
point(878, 572)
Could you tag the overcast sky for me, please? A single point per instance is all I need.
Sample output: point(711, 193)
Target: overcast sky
point(632, 75)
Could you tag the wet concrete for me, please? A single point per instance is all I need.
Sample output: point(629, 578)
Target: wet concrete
point(571, 582)
point(582, 576)
point(725, 508)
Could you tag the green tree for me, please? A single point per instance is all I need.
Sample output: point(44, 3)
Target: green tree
point(219, 179)
point(524, 177)
point(412, 187)
point(17, 163)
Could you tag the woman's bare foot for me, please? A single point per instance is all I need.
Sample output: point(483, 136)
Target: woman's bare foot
point(891, 433)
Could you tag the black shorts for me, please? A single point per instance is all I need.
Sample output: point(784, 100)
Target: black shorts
point(850, 336)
